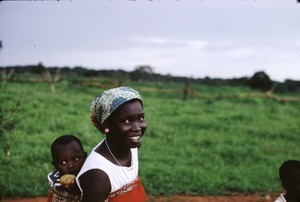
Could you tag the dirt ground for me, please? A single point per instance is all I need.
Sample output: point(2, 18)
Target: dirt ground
point(183, 198)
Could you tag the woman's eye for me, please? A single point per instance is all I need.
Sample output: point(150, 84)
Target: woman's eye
point(126, 121)
point(142, 118)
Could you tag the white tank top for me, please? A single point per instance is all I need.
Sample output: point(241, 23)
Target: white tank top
point(118, 175)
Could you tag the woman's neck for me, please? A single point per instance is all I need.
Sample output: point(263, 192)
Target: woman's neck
point(117, 154)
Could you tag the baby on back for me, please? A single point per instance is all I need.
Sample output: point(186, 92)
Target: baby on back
point(68, 157)
point(289, 173)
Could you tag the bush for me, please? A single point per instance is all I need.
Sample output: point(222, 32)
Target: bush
point(261, 81)
point(8, 121)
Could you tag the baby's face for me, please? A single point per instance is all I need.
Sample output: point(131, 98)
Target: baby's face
point(69, 158)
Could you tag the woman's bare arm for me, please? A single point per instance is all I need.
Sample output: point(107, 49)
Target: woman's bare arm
point(95, 185)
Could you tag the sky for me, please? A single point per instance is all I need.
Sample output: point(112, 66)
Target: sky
point(191, 38)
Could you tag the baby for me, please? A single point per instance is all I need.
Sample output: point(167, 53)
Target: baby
point(68, 157)
point(289, 173)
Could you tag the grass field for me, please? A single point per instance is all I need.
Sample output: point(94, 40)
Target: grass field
point(201, 145)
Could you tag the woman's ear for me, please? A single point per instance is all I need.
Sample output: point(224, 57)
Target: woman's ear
point(105, 128)
point(100, 128)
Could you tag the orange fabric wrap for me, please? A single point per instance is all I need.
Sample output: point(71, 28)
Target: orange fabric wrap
point(132, 192)
point(50, 196)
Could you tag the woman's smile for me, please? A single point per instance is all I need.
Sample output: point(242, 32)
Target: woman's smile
point(135, 139)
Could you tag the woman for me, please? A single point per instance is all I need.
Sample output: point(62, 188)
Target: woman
point(110, 172)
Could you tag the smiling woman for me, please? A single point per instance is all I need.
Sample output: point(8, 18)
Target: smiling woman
point(110, 172)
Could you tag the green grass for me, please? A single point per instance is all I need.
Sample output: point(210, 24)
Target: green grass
point(198, 146)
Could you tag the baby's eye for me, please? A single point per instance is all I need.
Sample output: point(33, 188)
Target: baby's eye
point(76, 159)
point(62, 162)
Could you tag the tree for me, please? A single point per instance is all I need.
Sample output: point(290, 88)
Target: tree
point(141, 73)
point(38, 69)
point(260, 80)
point(51, 79)
point(90, 73)
point(145, 69)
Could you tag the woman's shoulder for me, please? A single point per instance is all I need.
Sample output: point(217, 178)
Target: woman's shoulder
point(94, 183)
point(94, 175)
point(93, 178)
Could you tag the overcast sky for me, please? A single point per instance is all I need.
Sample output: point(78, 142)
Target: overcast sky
point(194, 38)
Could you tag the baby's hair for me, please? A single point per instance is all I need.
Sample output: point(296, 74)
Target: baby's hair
point(63, 140)
point(287, 172)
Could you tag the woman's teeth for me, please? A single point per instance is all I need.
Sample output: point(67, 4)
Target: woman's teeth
point(135, 138)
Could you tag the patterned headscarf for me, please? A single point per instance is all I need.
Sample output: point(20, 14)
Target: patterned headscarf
point(108, 101)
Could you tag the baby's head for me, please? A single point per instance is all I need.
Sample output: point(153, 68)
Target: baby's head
point(68, 154)
point(289, 173)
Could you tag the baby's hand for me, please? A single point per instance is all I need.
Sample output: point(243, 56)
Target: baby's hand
point(67, 181)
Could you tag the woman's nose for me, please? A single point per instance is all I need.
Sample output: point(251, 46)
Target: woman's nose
point(136, 126)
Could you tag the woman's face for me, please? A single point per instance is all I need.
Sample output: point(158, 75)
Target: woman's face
point(127, 124)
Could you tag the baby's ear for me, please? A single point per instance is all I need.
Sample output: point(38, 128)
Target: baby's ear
point(85, 154)
point(284, 185)
point(53, 164)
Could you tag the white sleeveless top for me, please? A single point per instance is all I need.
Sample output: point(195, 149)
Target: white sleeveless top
point(118, 175)
point(280, 198)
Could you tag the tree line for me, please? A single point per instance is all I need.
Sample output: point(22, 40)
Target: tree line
point(259, 80)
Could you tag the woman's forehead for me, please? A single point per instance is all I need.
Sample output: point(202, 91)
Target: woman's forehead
point(110, 100)
point(132, 107)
